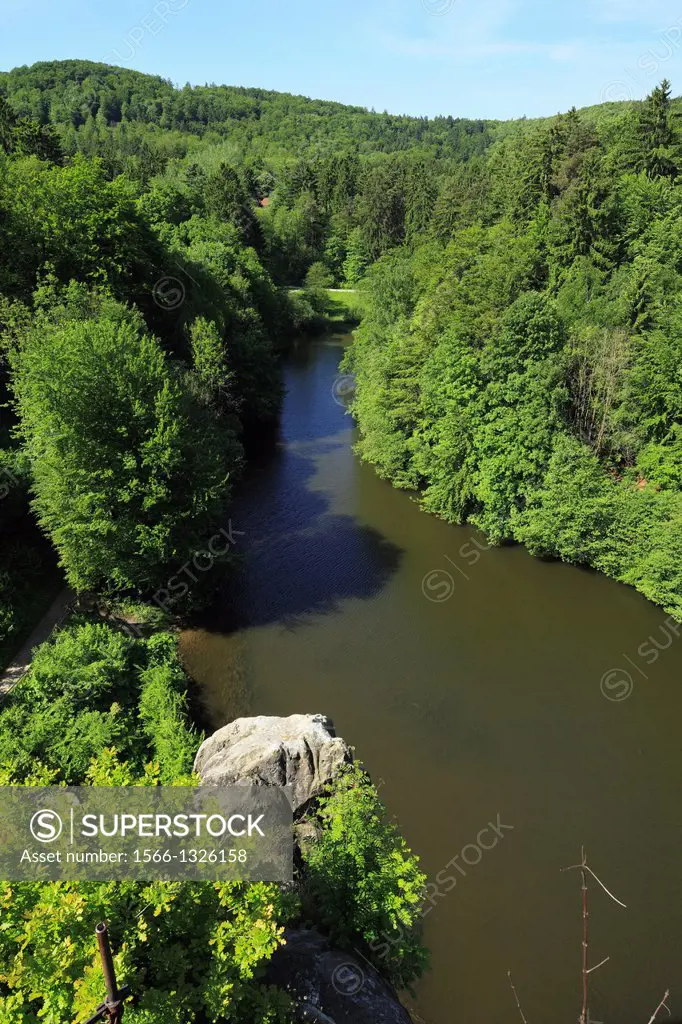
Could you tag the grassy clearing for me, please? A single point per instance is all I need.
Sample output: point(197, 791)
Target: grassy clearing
point(345, 306)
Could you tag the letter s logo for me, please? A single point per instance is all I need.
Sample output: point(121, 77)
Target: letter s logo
point(46, 826)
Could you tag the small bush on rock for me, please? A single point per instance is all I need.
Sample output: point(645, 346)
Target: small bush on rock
point(363, 883)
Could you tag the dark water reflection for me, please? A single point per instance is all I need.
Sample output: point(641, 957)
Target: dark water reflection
point(486, 703)
point(329, 557)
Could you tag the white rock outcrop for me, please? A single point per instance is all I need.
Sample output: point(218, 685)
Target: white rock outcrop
point(301, 751)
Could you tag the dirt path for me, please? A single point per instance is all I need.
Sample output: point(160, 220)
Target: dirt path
point(344, 291)
point(53, 617)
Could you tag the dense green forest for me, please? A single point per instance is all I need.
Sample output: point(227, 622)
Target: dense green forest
point(519, 367)
point(523, 371)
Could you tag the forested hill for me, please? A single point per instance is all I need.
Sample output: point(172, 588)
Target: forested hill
point(71, 93)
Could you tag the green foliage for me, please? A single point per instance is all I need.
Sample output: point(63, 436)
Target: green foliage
point(362, 881)
point(318, 277)
point(357, 259)
point(209, 362)
point(248, 312)
point(523, 282)
point(93, 688)
point(661, 151)
point(225, 197)
point(572, 515)
point(381, 209)
point(191, 952)
point(530, 331)
point(162, 709)
point(26, 137)
point(93, 103)
point(129, 471)
point(305, 314)
point(387, 396)
point(74, 221)
point(522, 371)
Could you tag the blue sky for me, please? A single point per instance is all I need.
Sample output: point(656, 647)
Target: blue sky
point(473, 58)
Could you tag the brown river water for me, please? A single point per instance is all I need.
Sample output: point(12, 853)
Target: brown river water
point(478, 686)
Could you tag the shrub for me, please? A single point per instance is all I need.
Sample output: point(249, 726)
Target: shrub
point(363, 881)
point(92, 688)
point(189, 952)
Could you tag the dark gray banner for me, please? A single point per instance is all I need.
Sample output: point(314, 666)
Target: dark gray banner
point(209, 833)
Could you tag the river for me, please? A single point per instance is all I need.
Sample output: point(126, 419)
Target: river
point(474, 684)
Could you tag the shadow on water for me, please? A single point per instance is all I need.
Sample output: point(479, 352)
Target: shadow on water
point(301, 557)
point(300, 560)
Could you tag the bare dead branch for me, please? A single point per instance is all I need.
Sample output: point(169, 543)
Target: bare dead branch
point(597, 966)
point(516, 997)
point(614, 898)
point(585, 870)
point(661, 1006)
point(586, 867)
point(583, 862)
